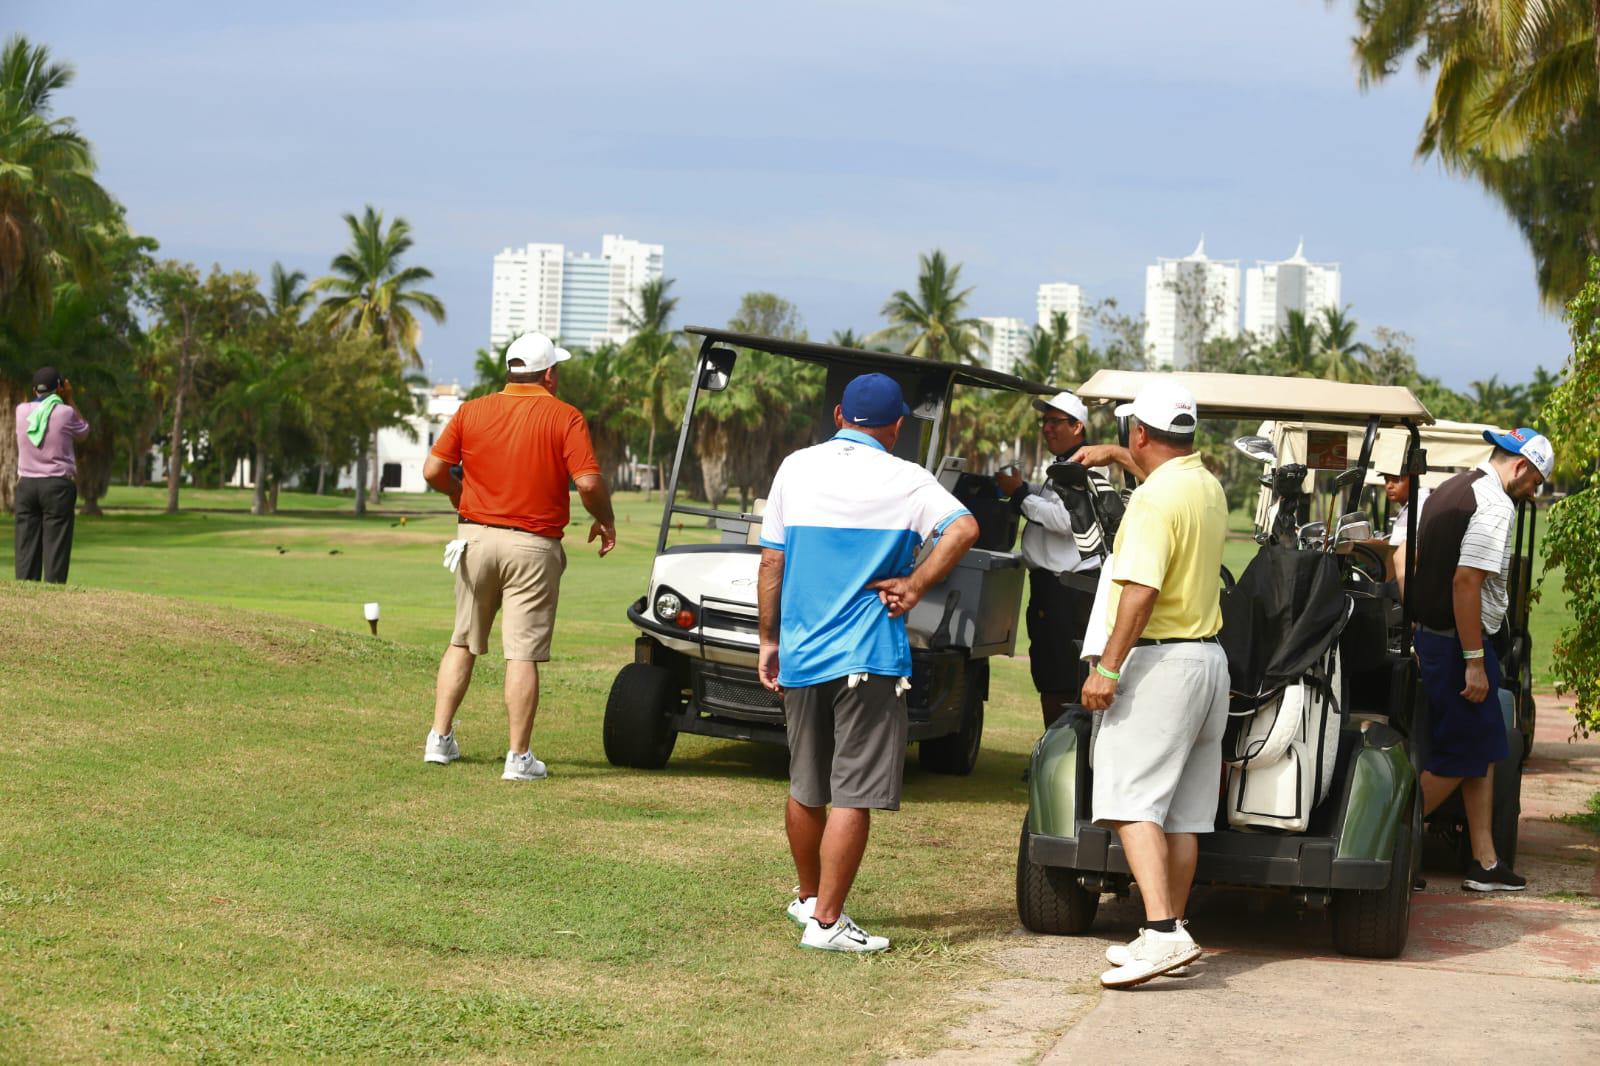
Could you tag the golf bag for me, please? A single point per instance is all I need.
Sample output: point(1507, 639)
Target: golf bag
point(1281, 626)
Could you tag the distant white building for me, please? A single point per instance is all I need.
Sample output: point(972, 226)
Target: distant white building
point(574, 297)
point(401, 452)
point(1186, 302)
point(1273, 289)
point(1006, 340)
point(1063, 297)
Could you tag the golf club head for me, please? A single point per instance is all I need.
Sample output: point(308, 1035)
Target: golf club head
point(1258, 448)
point(1069, 475)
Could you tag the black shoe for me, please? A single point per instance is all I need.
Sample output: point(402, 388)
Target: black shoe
point(1418, 884)
point(1498, 878)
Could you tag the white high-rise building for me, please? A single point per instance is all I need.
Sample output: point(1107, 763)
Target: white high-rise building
point(1272, 290)
point(1062, 297)
point(576, 298)
point(1006, 340)
point(1186, 302)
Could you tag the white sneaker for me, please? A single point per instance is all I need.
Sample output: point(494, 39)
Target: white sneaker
point(844, 936)
point(1121, 955)
point(523, 767)
point(1152, 955)
point(800, 910)
point(442, 750)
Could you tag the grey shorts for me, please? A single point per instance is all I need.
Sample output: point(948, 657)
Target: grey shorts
point(1158, 748)
point(847, 746)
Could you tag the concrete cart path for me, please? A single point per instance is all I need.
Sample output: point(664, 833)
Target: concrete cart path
point(1481, 977)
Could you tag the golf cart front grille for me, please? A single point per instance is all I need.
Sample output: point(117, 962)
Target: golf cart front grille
point(735, 692)
point(712, 618)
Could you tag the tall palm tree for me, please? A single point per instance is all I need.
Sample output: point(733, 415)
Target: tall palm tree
point(932, 322)
point(1297, 345)
point(1495, 402)
point(287, 296)
point(1340, 357)
point(653, 356)
point(372, 295)
point(649, 311)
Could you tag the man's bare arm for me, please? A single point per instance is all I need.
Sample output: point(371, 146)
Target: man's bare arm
point(1134, 608)
point(436, 472)
point(1466, 592)
point(769, 594)
point(900, 594)
point(1107, 455)
point(596, 499)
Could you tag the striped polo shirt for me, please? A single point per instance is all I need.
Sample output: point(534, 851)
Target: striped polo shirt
point(1469, 521)
point(845, 513)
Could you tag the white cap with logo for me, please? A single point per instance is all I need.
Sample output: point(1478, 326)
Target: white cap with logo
point(1066, 403)
point(1164, 405)
point(535, 352)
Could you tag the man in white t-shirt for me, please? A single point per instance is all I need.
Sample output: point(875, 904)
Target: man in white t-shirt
point(1397, 488)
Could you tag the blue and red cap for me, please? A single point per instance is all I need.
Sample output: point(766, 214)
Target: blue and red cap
point(1528, 443)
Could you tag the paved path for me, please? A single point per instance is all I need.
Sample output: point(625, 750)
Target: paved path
point(1482, 977)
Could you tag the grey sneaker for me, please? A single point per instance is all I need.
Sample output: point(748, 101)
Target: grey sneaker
point(523, 767)
point(441, 750)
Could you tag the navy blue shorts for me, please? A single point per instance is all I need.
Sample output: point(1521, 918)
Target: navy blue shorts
point(1466, 738)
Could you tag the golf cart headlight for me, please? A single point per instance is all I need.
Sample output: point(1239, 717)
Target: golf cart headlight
point(667, 606)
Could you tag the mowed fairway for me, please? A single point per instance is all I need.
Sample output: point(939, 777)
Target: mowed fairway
point(220, 840)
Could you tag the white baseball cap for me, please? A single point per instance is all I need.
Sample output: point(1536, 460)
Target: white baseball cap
point(535, 352)
point(1528, 443)
point(1165, 405)
point(1066, 403)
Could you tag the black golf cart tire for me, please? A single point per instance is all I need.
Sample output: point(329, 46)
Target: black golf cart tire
point(638, 730)
point(1374, 923)
point(1049, 898)
point(957, 753)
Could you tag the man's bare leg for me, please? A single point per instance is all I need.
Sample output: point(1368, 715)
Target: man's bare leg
point(1477, 795)
point(522, 702)
point(1183, 851)
point(844, 841)
point(1145, 846)
point(455, 675)
point(1435, 790)
point(805, 826)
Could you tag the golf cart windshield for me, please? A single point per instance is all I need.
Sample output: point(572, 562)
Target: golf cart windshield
point(753, 400)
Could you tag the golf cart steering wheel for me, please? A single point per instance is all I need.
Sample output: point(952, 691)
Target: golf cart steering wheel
point(1365, 560)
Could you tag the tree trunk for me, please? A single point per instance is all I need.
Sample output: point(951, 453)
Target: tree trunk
point(258, 470)
point(650, 459)
point(272, 502)
point(322, 476)
point(377, 471)
point(361, 481)
point(11, 394)
point(175, 449)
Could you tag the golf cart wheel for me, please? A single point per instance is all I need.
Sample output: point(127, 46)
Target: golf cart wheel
point(638, 730)
point(1374, 923)
point(958, 753)
point(1049, 898)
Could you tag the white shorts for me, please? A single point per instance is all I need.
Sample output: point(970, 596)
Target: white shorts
point(1158, 749)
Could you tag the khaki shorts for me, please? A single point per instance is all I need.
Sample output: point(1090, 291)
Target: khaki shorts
point(1158, 749)
point(847, 746)
point(520, 572)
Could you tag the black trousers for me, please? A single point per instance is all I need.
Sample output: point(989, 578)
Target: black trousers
point(1057, 617)
point(46, 509)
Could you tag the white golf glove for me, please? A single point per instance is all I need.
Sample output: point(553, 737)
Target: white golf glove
point(452, 554)
point(902, 685)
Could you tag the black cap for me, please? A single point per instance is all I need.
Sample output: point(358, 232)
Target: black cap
point(46, 379)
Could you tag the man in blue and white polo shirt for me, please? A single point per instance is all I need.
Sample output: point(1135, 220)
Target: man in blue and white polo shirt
point(843, 524)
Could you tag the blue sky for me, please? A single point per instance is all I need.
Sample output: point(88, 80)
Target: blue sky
point(810, 149)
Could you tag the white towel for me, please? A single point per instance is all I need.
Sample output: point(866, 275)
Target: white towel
point(452, 554)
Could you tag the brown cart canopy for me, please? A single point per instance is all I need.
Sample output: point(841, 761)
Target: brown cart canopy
point(1261, 396)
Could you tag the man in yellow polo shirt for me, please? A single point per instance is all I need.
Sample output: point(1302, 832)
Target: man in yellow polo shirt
point(1161, 685)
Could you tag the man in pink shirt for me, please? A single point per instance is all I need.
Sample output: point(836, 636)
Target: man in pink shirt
point(47, 491)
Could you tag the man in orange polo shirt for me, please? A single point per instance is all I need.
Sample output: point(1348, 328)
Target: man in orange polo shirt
point(517, 450)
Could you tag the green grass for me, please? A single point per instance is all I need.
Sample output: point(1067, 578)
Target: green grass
point(220, 841)
point(1587, 819)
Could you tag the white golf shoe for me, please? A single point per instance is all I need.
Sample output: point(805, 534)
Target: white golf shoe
point(844, 935)
point(1152, 955)
point(442, 750)
point(523, 767)
point(1121, 955)
point(800, 910)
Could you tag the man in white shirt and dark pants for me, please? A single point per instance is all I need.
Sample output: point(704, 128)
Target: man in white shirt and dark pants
point(1062, 577)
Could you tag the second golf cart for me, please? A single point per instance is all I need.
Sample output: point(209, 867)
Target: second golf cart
point(694, 668)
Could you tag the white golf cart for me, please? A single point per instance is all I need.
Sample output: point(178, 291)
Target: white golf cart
point(694, 668)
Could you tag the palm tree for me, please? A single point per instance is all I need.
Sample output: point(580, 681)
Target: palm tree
point(1340, 357)
point(372, 295)
point(286, 295)
point(931, 323)
point(652, 353)
point(1495, 402)
point(1297, 345)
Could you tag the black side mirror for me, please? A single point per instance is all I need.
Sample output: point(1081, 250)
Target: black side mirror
point(716, 368)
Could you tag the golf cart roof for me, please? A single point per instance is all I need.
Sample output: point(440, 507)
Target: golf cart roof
point(866, 362)
point(1253, 396)
point(1451, 446)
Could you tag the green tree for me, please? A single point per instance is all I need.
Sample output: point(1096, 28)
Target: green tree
point(657, 362)
point(932, 322)
point(1339, 355)
point(1574, 525)
point(370, 294)
point(1297, 346)
point(1494, 402)
point(287, 294)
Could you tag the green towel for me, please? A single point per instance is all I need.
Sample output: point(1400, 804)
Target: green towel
point(39, 420)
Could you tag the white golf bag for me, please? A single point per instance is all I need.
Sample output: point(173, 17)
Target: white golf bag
point(1280, 762)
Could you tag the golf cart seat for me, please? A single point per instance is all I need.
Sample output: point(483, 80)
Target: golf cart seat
point(1282, 620)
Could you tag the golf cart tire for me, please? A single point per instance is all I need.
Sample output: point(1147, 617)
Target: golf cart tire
point(637, 729)
point(1374, 923)
point(957, 753)
point(1049, 898)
